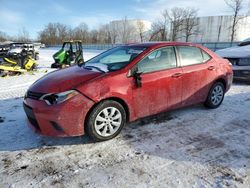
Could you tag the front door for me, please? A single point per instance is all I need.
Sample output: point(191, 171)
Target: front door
point(161, 83)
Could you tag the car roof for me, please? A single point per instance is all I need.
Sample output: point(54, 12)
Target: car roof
point(161, 44)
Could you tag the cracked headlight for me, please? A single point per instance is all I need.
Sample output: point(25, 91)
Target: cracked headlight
point(57, 98)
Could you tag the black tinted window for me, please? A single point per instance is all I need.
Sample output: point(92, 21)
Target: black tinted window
point(190, 55)
point(159, 59)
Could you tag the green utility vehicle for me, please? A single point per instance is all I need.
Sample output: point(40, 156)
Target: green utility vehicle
point(69, 54)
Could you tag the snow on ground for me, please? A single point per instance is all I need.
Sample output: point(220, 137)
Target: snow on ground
point(190, 147)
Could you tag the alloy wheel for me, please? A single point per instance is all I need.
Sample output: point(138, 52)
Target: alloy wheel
point(217, 95)
point(108, 121)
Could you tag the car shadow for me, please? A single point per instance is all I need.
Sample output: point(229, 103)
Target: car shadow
point(218, 137)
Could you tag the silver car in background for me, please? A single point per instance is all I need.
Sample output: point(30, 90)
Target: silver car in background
point(239, 56)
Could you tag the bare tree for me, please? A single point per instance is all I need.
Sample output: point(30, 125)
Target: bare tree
point(50, 35)
point(94, 36)
point(190, 22)
point(176, 17)
point(104, 35)
point(126, 31)
point(159, 28)
point(236, 7)
point(157, 33)
point(23, 35)
point(141, 29)
point(62, 32)
point(3, 36)
point(113, 29)
point(81, 32)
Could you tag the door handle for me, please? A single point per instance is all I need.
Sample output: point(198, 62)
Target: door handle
point(211, 68)
point(176, 75)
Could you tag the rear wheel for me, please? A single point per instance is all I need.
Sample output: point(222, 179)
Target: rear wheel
point(215, 96)
point(106, 120)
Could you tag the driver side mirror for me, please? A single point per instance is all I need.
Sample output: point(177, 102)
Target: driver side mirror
point(134, 72)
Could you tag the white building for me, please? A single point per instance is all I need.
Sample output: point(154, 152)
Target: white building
point(218, 29)
point(126, 31)
point(208, 29)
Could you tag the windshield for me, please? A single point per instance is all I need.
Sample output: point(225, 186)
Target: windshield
point(114, 59)
point(66, 46)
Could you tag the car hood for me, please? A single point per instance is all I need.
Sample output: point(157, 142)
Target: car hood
point(63, 80)
point(235, 52)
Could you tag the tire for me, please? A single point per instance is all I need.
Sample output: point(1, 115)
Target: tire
point(215, 96)
point(105, 116)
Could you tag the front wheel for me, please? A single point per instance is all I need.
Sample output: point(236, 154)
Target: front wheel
point(215, 96)
point(105, 121)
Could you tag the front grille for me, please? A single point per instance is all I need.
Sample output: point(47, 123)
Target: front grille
point(239, 73)
point(31, 116)
point(34, 95)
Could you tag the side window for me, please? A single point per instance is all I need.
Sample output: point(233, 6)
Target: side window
point(159, 59)
point(74, 47)
point(190, 55)
point(67, 47)
point(154, 54)
point(206, 57)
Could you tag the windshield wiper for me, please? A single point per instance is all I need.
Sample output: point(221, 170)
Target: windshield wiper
point(91, 67)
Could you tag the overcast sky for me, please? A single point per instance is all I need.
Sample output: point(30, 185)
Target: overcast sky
point(34, 14)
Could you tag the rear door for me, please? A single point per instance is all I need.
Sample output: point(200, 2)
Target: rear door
point(195, 76)
point(161, 84)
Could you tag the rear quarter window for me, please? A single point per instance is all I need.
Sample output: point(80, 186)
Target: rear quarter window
point(206, 57)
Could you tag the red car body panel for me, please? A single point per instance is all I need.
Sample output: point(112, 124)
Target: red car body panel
point(68, 78)
point(161, 91)
point(69, 116)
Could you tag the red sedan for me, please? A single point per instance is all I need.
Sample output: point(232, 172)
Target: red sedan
point(123, 84)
